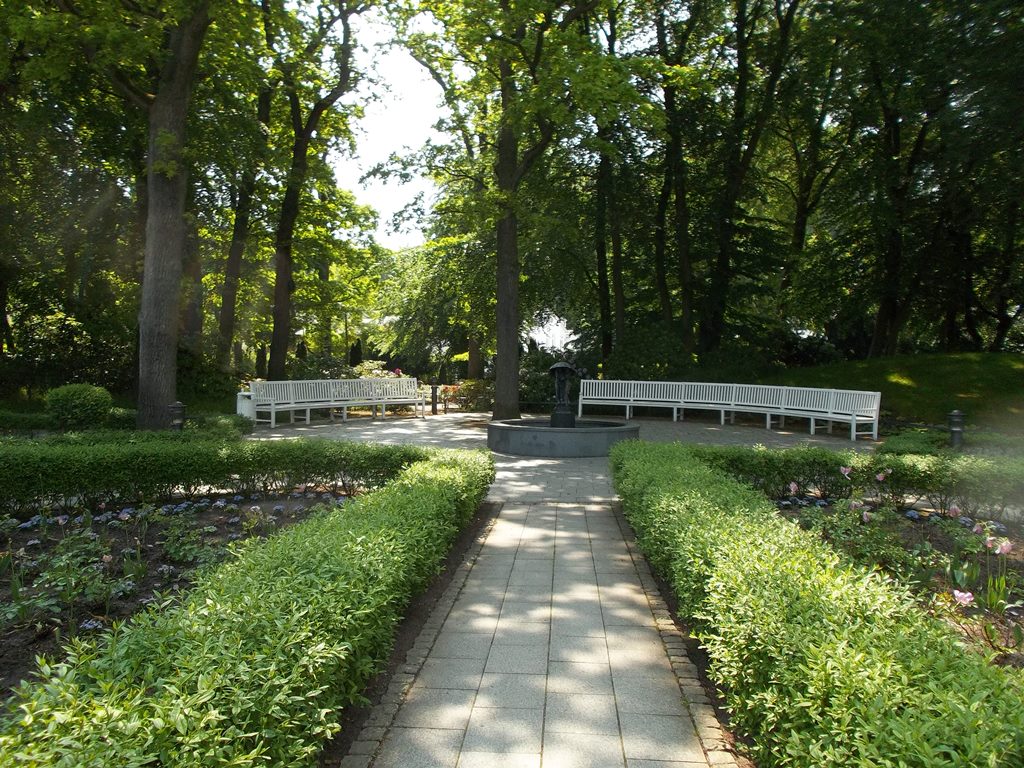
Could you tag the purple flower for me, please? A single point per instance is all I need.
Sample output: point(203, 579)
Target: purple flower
point(963, 598)
point(865, 516)
point(793, 488)
point(978, 528)
point(846, 471)
point(953, 511)
point(1004, 547)
point(880, 477)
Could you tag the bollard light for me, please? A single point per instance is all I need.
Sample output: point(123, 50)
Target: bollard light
point(177, 411)
point(433, 396)
point(956, 430)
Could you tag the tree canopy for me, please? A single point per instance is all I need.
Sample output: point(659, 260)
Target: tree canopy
point(712, 184)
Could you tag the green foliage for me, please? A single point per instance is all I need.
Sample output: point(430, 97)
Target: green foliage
point(986, 387)
point(822, 663)
point(17, 421)
point(79, 405)
point(149, 466)
point(476, 395)
point(922, 441)
point(973, 483)
point(253, 665)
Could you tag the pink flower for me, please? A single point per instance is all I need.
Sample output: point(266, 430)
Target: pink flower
point(978, 528)
point(846, 471)
point(990, 542)
point(793, 488)
point(1004, 547)
point(953, 511)
point(880, 477)
point(963, 598)
point(854, 504)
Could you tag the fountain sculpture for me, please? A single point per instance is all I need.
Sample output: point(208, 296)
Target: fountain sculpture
point(563, 436)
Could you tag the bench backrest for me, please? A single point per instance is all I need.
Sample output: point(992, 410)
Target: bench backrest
point(842, 402)
point(331, 390)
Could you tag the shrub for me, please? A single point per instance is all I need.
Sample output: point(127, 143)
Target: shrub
point(822, 664)
point(476, 395)
point(16, 421)
point(976, 484)
point(253, 665)
point(79, 405)
point(145, 466)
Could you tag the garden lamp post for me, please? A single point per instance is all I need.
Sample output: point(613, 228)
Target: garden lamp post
point(177, 411)
point(956, 430)
point(433, 396)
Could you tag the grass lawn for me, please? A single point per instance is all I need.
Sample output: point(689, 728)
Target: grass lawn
point(988, 388)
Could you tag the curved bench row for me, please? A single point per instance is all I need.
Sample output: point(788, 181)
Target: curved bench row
point(273, 397)
point(857, 408)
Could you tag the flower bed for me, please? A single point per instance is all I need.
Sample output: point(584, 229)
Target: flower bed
point(255, 662)
point(822, 663)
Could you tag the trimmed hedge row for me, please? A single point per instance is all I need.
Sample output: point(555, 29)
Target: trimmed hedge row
point(822, 664)
point(252, 666)
point(976, 484)
point(41, 473)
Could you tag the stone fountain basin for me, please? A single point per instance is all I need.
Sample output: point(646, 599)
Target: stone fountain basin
point(536, 437)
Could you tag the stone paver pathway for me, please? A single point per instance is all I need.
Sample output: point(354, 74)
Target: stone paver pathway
point(551, 647)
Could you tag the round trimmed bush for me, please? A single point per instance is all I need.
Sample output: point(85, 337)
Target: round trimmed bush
point(79, 405)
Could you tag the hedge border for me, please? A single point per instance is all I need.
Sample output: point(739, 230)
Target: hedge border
point(35, 475)
point(822, 663)
point(253, 665)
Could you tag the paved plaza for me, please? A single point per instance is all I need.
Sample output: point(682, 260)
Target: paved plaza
point(551, 647)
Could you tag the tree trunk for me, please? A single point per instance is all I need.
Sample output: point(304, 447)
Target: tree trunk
point(506, 369)
point(604, 304)
point(660, 247)
point(475, 364)
point(167, 183)
point(618, 288)
point(192, 311)
point(233, 269)
point(6, 333)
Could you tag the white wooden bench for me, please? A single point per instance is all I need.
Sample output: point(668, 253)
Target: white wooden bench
point(855, 407)
point(274, 397)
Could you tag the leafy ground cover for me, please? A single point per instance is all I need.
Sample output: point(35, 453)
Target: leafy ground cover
point(926, 387)
point(966, 572)
point(75, 573)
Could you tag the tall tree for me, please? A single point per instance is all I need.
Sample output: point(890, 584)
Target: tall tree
point(299, 45)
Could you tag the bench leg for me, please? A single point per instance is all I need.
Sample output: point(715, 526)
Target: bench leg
point(812, 425)
point(307, 414)
point(273, 418)
point(853, 430)
point(782, 422)
point(722, 419)
point(767, 421)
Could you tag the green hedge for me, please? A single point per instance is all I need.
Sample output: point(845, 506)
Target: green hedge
point(821, 663)
point(148, 467)
point(979, 485)
point(252, 666)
